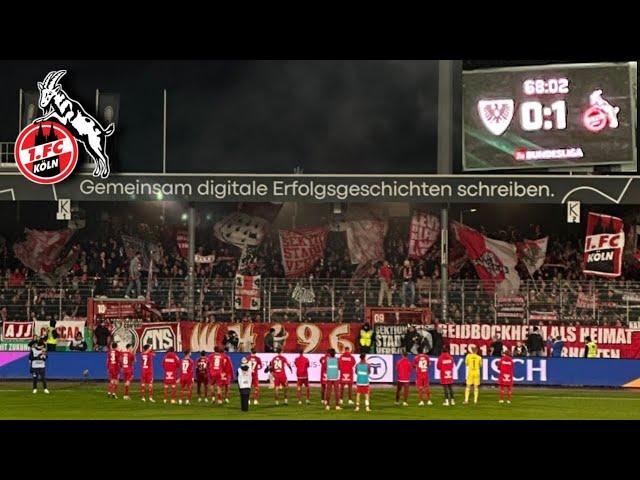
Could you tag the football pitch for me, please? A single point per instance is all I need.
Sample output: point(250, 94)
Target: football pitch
point(88, 401)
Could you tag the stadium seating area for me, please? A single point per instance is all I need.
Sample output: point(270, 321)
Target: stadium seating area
point(557, 292)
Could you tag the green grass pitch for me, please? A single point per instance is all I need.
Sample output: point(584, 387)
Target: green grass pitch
point(88, 401)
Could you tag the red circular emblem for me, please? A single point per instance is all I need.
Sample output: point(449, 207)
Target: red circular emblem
point(46, 152)
point(594, 119)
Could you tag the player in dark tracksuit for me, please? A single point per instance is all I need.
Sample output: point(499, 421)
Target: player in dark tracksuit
point(38, 363)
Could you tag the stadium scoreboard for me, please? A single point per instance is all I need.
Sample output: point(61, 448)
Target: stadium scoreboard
point(549, 116)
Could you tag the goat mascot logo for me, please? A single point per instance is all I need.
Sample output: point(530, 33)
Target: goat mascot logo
point(47, 150)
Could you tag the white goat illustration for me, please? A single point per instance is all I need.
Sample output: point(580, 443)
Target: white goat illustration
point(87, 130)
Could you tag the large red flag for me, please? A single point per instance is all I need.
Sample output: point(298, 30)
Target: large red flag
point(423, 233)
point(302, 249)
point(604, 245)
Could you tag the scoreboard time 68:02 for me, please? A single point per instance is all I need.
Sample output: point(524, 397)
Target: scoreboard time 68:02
point(553, 116)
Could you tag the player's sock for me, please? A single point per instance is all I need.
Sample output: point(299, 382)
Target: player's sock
point(466, 394)
point(126, 390)
point(476, 393)
point(150, 391)
point(308, 394)
point(501, 393)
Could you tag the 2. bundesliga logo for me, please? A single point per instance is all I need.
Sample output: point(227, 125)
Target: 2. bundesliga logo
point(46, 151)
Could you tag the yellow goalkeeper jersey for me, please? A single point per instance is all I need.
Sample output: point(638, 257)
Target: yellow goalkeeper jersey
point(473, 362)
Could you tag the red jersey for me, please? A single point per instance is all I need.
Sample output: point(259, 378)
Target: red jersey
point(216, 363)
point(421, 364)
point(186, 369)
point(171, 363)
point(505, 367)
point(403, 367)
point(202, 367)
point(445, 365)
point(227, 366)
point(126, 361)
point(256, 365)
point(147, 361)
point(113, 359)
point(346, 363)
point(302, 366)
point(323, 368)
point(277, 365)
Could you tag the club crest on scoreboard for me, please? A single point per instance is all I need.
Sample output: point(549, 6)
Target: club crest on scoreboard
point(496, 114)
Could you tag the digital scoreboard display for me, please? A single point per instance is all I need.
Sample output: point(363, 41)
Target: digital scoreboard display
point(548, 117)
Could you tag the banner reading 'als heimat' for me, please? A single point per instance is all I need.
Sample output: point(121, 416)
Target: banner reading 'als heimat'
point(613, 342)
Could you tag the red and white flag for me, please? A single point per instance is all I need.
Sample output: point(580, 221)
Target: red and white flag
point(247, 226)
point(532, 253)
point(495, 261)
point(423, 233)
point(182, 241)
point(365, 239)
point(302, 249)
point(42, 249)
point(604, 245)
point(247, 292)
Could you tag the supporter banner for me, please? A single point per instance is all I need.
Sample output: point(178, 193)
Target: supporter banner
point(303, 295)
point(160, 336)
point(423, 233)
point(494, 260)
point(510, 308)
point(302, 249)
point(587, 301)
point(365, 240)
point(533, 253)
point(247, 292)
point(613, 342)
point(604, 245)
point(312, 337)
point(182, 242)
point(17, 331)
point(132, 310)
point(67, 330)
point(538, 316)
point(13, 346)
point(204, 258)
point(390, 338)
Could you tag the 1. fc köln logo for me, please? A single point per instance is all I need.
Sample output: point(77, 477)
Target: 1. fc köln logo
point(496, 114)
point(46, 151)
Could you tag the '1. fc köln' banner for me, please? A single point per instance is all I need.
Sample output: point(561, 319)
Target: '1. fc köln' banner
point(247, 292)
point(495, 261)
point(182, 241)
point(423, 233)
point(302, 249)
point(604, 245)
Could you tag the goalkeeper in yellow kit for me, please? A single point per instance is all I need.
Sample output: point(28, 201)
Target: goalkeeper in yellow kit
point(473, 362)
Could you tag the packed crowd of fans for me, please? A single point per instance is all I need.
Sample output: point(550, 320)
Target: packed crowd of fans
point(330, 293)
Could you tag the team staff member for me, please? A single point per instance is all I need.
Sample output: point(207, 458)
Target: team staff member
point(245, 380)
point(202, 377)
point(365, 339)
point(590, 348)
point(38, 364)
point(473, 362)
point(52, 336)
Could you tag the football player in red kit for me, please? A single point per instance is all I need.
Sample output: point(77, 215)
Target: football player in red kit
point(421, 364)
point(302, 372)
point(186, 377)
point(446, 365)
point(202, 377)
point(127, 359)
point(280, 375)
point(505, 379)
point(256, 365)
point(113, 369)
point(226, 376)
point(171, 365)
point(346, 364)
point(216, 364)
point(323, 377)
point(146, 373)
point(403, 370)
